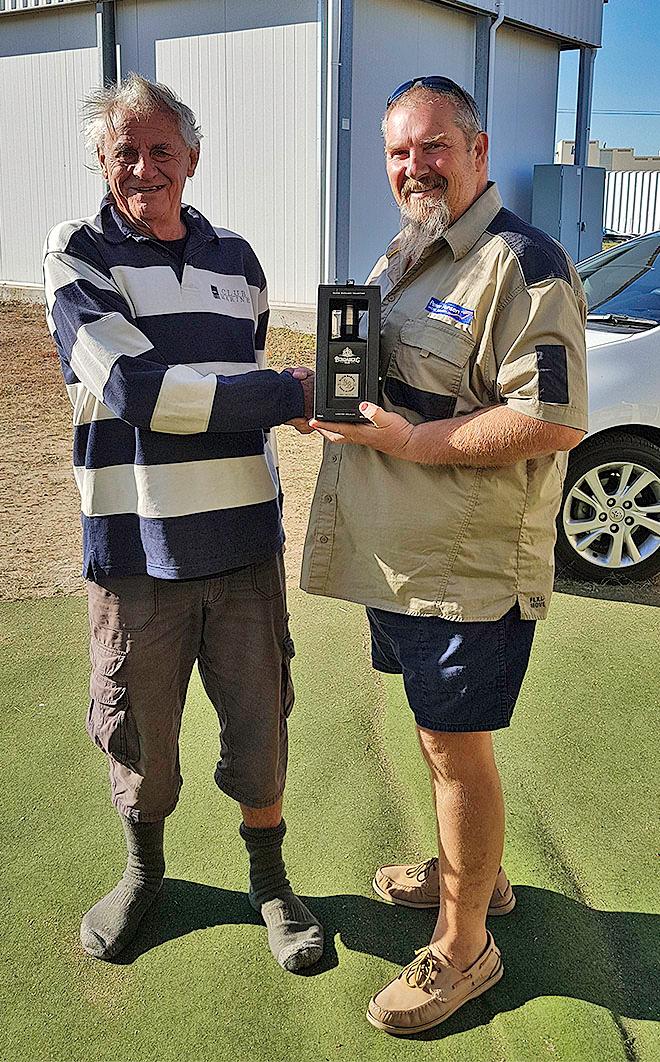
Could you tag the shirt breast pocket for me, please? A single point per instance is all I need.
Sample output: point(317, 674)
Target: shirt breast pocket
point(426, 372)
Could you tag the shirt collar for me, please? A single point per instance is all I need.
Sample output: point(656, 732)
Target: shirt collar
point(460, 237)
point(116, 229)
point(470, 227)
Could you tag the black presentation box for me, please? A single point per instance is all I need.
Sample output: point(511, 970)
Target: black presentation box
point(347, 350)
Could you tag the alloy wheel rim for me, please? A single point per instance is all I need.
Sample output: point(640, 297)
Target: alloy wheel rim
point(611, 516)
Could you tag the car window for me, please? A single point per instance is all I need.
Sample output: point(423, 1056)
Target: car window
point(625, 279)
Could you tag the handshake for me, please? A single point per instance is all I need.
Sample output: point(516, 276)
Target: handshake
point(306, 377)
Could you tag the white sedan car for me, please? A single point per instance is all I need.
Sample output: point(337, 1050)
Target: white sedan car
point(608, 527)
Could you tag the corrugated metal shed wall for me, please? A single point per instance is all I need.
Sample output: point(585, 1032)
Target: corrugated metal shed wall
point(408, 37)
point(524, 113)
point(9, 6)
point(249, 69)
point(259, 170)
point(46, 62)
point(578, 20)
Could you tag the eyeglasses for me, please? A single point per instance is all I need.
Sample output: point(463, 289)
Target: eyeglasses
point(437, 84)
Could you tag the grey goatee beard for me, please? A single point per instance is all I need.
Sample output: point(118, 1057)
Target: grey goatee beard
point(422, 223)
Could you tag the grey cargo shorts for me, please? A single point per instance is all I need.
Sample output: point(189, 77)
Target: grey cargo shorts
point(146, 635)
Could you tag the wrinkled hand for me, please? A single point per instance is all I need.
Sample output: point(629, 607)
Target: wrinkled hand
point(301, 425)
point(301, 372)
point(388, 432)
point(306, 377)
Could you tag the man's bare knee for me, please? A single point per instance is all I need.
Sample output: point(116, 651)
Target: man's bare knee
point(456, 756)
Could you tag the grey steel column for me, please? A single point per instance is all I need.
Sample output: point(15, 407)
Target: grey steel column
point(106, 41)
point(583, 116)
point(343, 221)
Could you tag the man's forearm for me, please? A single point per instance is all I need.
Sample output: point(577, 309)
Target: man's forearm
point(492, 437)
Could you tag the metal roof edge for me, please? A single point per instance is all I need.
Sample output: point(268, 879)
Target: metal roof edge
point(562, 27)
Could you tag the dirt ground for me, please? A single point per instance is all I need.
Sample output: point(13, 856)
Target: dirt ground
point(39, 511)
point(39, 514)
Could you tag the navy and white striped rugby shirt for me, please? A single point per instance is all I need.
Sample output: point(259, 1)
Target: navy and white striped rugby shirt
point(176, 472)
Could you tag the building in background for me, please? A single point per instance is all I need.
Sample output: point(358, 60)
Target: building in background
point(289, 94)
point(609, 158)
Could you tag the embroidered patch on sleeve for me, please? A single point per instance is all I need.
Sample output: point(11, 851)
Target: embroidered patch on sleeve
point(437, 308)
point(553, 374)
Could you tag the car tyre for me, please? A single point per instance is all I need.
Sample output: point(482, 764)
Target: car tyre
point(611, 503)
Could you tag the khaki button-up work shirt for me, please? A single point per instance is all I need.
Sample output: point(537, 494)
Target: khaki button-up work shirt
point(492, 315)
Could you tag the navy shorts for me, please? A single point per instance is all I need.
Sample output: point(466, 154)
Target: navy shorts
point(457, 676)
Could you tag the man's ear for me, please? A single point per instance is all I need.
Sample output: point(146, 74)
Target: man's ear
point(480, 149)
point(194, 159)
point(100, 154)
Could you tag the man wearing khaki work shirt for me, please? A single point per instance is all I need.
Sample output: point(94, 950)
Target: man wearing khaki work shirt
point(439, 516)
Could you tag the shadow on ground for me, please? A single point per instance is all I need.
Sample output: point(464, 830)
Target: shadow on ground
point(552, 945)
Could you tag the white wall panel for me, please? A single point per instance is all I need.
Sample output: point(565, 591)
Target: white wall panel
point(249, 70)
point(393, 40)
point(525, 107)
point(255, 93)
point(43, 171)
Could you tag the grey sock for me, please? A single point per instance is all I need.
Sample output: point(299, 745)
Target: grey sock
point(112, 923)
point(294, 934)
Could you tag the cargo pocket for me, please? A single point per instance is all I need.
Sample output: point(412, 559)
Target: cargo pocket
point(288, 653)
point(106, 662)
point(110, 722)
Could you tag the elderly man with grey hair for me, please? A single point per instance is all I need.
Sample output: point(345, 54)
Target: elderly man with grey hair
point(160, 324)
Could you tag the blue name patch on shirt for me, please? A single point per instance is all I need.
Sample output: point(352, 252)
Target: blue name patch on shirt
point(436, 308)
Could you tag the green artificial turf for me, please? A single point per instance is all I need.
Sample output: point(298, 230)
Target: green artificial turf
point(580, 950)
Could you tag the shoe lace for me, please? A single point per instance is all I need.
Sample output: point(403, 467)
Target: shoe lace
point(423, 870)
point(419, 973)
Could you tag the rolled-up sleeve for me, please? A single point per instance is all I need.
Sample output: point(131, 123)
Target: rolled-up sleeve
point(540, 354)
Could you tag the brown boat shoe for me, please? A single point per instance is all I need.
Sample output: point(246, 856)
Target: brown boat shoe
point(430, 989)
point(419, 886)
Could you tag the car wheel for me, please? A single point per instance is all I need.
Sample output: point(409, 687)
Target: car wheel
point(608, 528)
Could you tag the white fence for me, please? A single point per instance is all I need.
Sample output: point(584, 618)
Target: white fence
point(632, 202)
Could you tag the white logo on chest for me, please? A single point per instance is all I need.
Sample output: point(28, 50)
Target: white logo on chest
point(230, 294)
